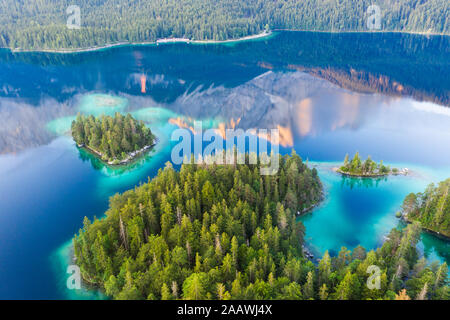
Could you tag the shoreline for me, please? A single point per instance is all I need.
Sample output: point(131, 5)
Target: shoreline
point(144, 43)
point(130, 159)
point(63, 257)
point(422, 33)
point(189, 41)
point(311, 207)
point(425, 229)
point(373, 175)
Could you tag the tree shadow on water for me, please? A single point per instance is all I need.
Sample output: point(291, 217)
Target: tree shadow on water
point(358, 182)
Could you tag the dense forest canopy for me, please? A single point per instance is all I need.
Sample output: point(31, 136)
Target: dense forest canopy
point(226, 232)
point(41, 24)
point(356, 166)
point(114, 138)
point(431, 207)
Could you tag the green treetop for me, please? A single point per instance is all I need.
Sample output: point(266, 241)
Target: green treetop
point(113, 138)
point(431, 207)
point(356, 166)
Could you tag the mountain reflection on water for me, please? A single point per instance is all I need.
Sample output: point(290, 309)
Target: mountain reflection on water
point(227, 80)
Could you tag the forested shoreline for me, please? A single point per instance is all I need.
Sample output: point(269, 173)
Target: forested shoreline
point(431, 208)
point(42, 25)
point(226, 232)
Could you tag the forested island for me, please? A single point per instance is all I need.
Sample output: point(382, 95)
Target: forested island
point(431, 208)
point(116, 140)
point(41, 25)
point(226, 232)
point(367, 168)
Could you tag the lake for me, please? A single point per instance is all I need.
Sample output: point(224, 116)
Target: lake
point(383, 94)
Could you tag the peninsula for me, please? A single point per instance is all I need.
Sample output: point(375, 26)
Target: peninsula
point(225, 232)
point(431, 208)
point(115, 140)
point(159, 41)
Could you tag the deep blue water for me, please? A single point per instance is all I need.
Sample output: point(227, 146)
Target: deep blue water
point(386, 95)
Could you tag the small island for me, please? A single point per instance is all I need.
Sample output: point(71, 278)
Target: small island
point(431, 208)
point(116, 140)
point(367, 168)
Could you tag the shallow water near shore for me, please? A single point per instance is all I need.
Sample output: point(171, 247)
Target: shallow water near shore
point(328, 94)
point(362, 211)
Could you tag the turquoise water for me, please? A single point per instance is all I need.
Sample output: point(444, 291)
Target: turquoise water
point(59, 260)
point(61, 126)
point(362, 210)
point(322, 91)
point(98, 104)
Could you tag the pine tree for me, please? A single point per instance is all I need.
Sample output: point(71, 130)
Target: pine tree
point(165, 293)
point(194, 287)
point(402, 295)
point(308, 291)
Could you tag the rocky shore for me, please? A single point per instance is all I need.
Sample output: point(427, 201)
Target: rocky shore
point(116, 162)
